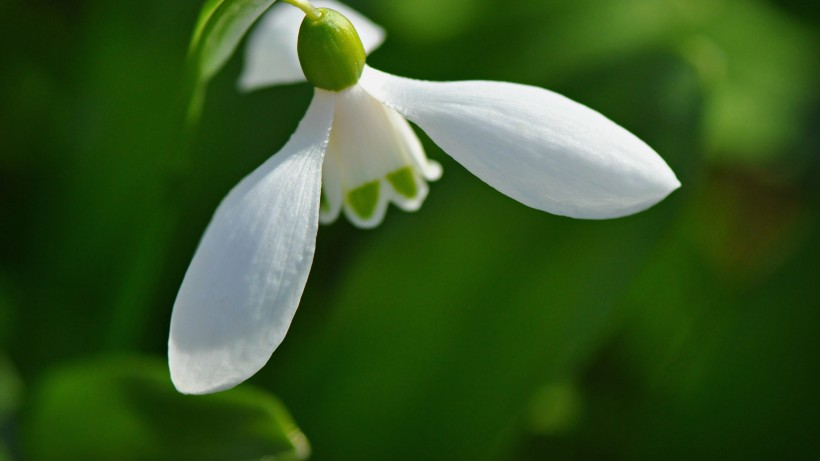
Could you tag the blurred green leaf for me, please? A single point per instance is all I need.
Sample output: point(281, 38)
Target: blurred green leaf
point(11, 389)
point(220, 28)
point(127, 409)
point(218, 31)
point(708, 369)
point(759, 71)
point(6, 312)
point(757, 67)
point(103, 219)
point(415, 21)
point(11, 392)
point(556, 408)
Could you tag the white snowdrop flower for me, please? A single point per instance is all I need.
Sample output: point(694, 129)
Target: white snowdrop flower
point(354, 153)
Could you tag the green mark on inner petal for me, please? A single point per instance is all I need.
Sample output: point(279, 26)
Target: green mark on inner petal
point(404, 181)
point(363, 199)
point(324, 205)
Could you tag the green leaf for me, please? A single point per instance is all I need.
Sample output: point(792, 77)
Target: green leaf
point(10, 389)
point(757, 67)
point(218, 31)
point(759, 71)
point(221, 26)
point(6, 313)
point(127, 409)
point(10, 394)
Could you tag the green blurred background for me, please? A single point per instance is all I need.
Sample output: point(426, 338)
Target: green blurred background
point(474, 329)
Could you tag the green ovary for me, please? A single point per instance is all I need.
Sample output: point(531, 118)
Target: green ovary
point(404, 182)
point(330, 51)
point(363, 199)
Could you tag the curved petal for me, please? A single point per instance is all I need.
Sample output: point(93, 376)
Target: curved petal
point(242, 288)
point(270, 56)
point(538, 147)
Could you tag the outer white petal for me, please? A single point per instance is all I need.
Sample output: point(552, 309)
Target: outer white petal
point(536, 146)
point(242, 288)
point(270, 56)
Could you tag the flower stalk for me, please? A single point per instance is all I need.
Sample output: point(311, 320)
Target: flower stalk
point(311, 11)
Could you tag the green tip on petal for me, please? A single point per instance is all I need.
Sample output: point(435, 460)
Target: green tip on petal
point(330, 51)
point(364, 199)
point(404, 182)
point(324, 204)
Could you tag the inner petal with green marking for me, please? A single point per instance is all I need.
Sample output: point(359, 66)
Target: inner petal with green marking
point(403, 181)
point(364, 199)
point(373, 158)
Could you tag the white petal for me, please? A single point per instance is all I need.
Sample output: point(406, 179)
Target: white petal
point(536, 146)
point(270, 56)
point(242, 288)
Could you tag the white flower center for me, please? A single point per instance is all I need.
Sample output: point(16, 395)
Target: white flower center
point(373, 158)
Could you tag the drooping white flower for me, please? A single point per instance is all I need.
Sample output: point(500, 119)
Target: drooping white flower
point(354, 153)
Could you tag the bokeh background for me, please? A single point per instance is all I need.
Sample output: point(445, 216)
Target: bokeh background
point(474, 329)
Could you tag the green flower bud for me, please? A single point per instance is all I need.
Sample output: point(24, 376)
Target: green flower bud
point(330, 51)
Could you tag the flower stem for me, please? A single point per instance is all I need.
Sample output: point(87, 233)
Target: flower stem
point(311, 11)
